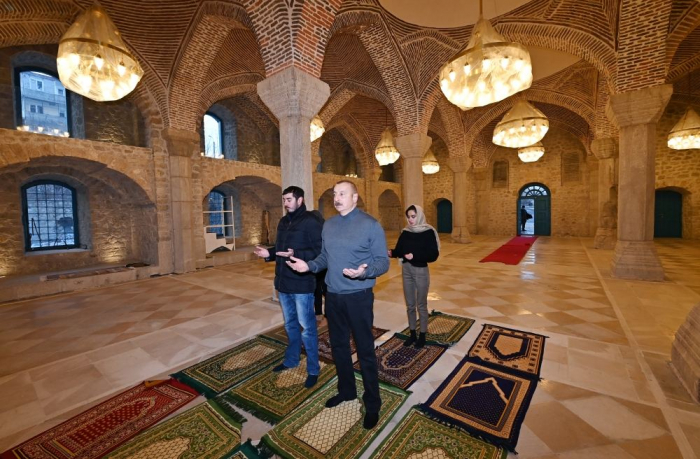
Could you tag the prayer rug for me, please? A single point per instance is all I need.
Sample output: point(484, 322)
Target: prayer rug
point(419, 437)
point(279, 333)
point(203, 432)
point(324, 343)
point(314, 431)
point(231, 367)
point(512, 251)
point(486, 402)
point(245, 451)
point(513, 349)
point(271, 396)
point(445, 328)
point(102, 428)
point(401, 365)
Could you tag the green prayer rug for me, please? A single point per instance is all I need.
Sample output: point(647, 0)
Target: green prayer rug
point(203, 432)
point(271, 396)
point(445, 328)
point(324, 343)
point(245, 451)
point(314, 431)
point(417, 436)
point(511, 349)
point(218, 373)
point(401, 365)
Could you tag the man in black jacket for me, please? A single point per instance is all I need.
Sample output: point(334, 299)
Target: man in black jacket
point(298, 234)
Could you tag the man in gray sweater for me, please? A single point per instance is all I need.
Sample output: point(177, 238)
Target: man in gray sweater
point(354, 252)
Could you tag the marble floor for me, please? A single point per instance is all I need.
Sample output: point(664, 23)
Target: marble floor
point(607, 390)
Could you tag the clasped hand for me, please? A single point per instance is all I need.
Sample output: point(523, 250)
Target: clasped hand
point(301, 266)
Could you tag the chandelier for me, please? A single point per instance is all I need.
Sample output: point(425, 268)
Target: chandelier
point(685, 135)
point(489, 70)
point(93, 60)
point(430, 164)
point(317, 128)
point(386, 152)
point(532, 153)
point(522, 126)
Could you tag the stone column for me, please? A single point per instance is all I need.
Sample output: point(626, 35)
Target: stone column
point(636, 114)
point(295, 97)
point(685, 353)
point(315, 154)
point(182, 146)
point(372, 198)
point(460, 167)
point(606, 233)
point(412, 148)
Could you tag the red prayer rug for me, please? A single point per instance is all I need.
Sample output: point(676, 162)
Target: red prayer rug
point(104, 427)
point(512, 251)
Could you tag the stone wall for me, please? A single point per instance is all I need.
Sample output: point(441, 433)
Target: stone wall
point(438, 186)
point(391, 214)
point(571, 209)
point(337, 156)
point(679, 170)
point(116, 122)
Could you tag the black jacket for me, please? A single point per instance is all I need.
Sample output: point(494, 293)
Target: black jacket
point(423, 246)
point(299, 230)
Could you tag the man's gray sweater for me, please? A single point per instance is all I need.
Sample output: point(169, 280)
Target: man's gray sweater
point(348, 242)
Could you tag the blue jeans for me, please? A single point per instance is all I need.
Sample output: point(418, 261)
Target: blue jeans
point(300, 324)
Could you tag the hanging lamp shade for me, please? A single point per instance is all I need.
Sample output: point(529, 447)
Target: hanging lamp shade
point(522, 126)
point(430, 164)
point(317, 128)
point(93, 60)
point(685, 135)
point(489, 70)
point(386, 152)
point(532, 153)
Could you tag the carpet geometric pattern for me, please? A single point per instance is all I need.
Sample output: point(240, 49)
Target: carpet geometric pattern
point(231, 367)
point(445, 328)
point(271, 396)
point(419, 437)
point(513, 349)
point(324, 343)
point(102, 428)
point(401, 365)
point(484, 401)
point(203, 432)
point(314, 431)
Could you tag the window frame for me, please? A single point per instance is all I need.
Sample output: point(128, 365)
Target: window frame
point(25, 217)
point(221, 136)
point(18, 99)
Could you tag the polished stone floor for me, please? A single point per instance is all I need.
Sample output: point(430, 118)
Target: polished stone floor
point(607, 390)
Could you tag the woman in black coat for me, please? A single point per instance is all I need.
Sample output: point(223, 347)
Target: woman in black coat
point(417, 246)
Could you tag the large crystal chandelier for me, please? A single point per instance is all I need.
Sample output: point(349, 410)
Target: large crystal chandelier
point(93, 60)
point(685, 135)
point(386, 152)
point(522, 126)
point(317, 128)
point(532, 153)
point(489, 70)
point(430, 164)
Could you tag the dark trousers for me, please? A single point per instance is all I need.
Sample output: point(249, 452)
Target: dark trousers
point(348, 313)
point(320, 292)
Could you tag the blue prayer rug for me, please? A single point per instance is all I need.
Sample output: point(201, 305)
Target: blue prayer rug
point(501, 347)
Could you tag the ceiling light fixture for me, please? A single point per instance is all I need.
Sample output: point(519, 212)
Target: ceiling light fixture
point(522, 126)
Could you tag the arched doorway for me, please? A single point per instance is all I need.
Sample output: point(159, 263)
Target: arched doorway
point(535, 198)
point(444, 216)
point(668, 214)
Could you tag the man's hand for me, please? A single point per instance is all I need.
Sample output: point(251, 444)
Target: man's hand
point(408, 256)
point(287, 254)
point(261, 251)
point(355, 273)
point(388, 252)
point(298, 265)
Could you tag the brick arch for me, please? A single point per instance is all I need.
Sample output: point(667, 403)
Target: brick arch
point(449, 117)
point(687, 23)
point(344, 94)
point(357, 139)
point(225, 88)
point(210, 30)
point(222, 171)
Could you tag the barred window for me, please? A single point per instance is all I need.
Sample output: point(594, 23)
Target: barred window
point(50, 216)
point(500, 174)
point(220, 215)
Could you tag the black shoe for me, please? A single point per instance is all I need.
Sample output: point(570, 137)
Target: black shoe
point(336, 400)
point(311, 381)
point(411, 339)
point(280, 367)
point(371, 420)
point(421, 341)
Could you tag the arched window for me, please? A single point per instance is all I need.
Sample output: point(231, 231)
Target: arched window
point(43, 103)
point(213, 138)
point(50, 214)
point(534, 190)
point(220, 215)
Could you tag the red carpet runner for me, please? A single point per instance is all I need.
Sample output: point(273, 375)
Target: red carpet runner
point(512, 251)
point(102, 428)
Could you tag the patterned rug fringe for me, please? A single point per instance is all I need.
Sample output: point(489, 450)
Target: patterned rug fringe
point(229, 401)
point(194, 384)
point(232, 416)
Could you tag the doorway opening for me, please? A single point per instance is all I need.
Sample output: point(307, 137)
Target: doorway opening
point(534, 210)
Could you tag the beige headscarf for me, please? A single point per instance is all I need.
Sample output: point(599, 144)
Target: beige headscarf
point(421, 225)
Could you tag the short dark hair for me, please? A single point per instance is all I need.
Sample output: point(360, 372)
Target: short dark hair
point(411, 207)
point(353, 187)
point(295, 190)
